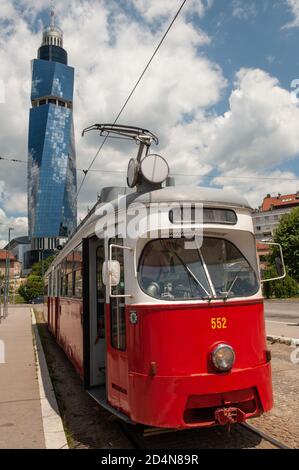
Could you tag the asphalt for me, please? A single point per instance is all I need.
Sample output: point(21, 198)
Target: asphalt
point(21, 415)
point(21, 425)
point(282, 318)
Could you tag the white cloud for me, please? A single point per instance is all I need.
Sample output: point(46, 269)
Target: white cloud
point(260, 130)
point(293, 5)
point(151, 9)
point(19, 224)
point(256, 135)
point(255, 185)
point(243, 11)
point(109, 49)
point(270, 59)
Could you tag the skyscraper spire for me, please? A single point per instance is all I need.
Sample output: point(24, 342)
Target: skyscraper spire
point(52, 14)
point(53, 19)
point(53, 36)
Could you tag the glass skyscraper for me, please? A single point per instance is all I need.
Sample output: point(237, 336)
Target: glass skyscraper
point(52, 181)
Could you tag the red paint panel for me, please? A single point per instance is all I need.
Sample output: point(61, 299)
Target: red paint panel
point(70, 330)
point(117, 371)
point(179, 339)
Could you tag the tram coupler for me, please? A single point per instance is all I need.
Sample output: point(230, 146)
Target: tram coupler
point(229, 416)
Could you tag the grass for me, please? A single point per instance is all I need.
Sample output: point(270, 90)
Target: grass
point(41, 325)
point(18, 299)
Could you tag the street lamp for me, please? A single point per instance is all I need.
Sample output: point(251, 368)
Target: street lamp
point(7, 274)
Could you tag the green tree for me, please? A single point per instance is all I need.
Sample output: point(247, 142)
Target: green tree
point(283, 288)
point(34, 287)
point(39, 269)
point(287, 234)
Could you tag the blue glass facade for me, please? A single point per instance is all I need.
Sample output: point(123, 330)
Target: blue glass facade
point(52, 182)
point(55, 53)
point(52, 79)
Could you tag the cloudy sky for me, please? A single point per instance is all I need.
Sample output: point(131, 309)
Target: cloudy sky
point(219, 93)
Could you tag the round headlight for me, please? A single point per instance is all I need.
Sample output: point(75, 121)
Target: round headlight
point(223, 357)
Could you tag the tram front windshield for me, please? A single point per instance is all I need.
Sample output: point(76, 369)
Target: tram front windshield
point(170, 270)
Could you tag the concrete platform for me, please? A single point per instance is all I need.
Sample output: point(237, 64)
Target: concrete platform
point(288, 330)
point(21, 425)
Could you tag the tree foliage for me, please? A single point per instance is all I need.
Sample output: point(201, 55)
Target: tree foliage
point(283, 288)
point(39, 269)
point(34, 287)
point(287, 234)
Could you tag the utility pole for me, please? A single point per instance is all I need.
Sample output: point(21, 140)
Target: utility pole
point(7, 275)
point(1, 292)
point(15, 287)
point(1, 310)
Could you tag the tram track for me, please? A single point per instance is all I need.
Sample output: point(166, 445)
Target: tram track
point(139, 437)
point(265, 436)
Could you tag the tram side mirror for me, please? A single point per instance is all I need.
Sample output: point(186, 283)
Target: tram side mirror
point(279, 264)
point(112, 269)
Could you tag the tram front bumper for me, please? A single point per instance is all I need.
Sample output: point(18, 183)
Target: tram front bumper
point(200, 400)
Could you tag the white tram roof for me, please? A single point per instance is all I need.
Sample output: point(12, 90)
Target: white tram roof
point(171, 194)
point(192, 194)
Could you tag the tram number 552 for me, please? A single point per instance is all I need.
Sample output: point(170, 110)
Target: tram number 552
point(219, 323)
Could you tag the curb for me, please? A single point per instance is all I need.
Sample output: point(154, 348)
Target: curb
point(283, 340)
point(54, 434)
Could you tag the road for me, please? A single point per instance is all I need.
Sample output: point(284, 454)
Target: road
point(282, 318)
point(287, 312)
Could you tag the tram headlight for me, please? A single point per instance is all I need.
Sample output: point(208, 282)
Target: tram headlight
point(223, 357)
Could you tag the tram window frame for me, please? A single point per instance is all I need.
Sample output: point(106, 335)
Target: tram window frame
point(117, 305)
point(205, 211)
point(100, 291)
point(141, 258)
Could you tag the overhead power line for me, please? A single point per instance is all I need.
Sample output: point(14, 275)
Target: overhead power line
point(13, 160)
point(243, 177)
point(131, 94)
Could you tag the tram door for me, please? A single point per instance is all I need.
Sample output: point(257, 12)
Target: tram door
point(97, 314)
point(116, 350)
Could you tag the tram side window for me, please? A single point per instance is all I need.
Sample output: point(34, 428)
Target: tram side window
point(117, 305)
point(77, 273)
point(69, 275)
point(62, 280)
point(78, 284)
point(57, 283)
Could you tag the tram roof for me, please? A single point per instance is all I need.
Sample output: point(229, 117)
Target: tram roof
point(192, 194)
point(171, 194)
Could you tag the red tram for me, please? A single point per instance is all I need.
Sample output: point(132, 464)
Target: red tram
point(165, 330)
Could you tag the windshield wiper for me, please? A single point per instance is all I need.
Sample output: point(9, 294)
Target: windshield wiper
point(205, 268)
point(232, 284)
point(197, 281)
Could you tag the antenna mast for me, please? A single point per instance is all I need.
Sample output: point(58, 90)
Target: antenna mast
point(52, 14)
